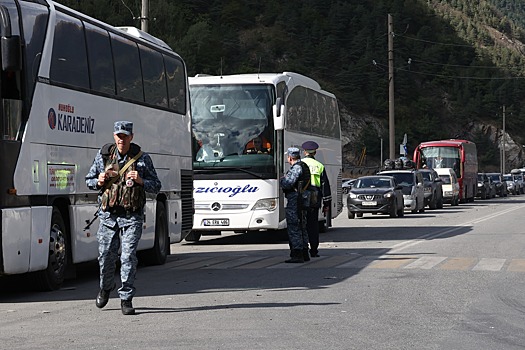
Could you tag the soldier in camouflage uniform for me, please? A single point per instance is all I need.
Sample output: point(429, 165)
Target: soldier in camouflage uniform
point(121, 213)
point(295, 214)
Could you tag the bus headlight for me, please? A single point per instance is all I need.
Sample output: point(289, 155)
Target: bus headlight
point(269, 204)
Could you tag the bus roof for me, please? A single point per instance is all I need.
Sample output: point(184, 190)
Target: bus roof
point(441, 143)
point(258, 78)
point(131, 31)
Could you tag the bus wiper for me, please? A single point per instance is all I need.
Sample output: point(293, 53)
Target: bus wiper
point(227, 169)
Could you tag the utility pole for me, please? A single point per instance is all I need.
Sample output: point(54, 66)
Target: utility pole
point(503, 147)
point(144, 16)
point(391, 127)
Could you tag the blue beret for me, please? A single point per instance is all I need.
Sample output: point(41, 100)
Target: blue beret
point(310, 145)
point(123, 127)
point(294, 152)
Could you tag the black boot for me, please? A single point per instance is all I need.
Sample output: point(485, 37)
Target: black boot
point(103, 297)
point(127, 307)
point(306, 255)
point(297, 257)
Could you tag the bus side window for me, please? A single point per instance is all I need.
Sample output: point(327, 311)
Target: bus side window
point(69, 58)
point(100, 60)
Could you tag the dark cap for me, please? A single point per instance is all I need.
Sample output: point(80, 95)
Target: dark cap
point(310, 146)
point(294, 152)
point(123, 127)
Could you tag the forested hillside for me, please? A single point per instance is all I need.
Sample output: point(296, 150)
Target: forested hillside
point(457, 62)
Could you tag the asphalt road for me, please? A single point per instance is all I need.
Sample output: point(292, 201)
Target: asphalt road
point(443, 279)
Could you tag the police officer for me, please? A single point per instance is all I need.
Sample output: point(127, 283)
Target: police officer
point(298, 176)
point(122, 173)
point(319, 180)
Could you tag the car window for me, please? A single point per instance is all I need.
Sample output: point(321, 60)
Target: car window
point(445, 179)
point(403, 179)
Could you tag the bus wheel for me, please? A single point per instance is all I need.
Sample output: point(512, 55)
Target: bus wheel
point(161, 249)
point(53, 276)
point(193, 236)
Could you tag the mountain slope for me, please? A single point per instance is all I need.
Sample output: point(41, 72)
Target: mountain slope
point(457, 62)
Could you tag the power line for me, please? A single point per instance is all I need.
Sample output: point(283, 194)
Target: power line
point(410, 60)
point(452, 76)
point(434, 42)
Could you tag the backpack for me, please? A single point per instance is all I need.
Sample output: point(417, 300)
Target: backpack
point(308, 195)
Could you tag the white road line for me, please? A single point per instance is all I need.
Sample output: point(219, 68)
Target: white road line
point(406, 244)
point(425, 263)
point(489, 264)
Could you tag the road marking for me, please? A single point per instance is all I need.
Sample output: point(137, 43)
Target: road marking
point(410, 243)
point(353, 261)
point(263, 263)
point(516, 265)
point(425, 263)
point(235, 263)
point(183, 262)
point(358, 263)
point(458, 264)
point(391, 262)
point(330, 261)
point(489, 264)
point(204, 262)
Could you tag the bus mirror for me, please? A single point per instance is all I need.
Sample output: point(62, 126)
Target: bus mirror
point(11, 57)
point(278, 111)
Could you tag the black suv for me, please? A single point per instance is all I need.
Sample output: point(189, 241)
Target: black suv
point(433, 189)
point(375, 194)
point(484, 187)
point(501, 186)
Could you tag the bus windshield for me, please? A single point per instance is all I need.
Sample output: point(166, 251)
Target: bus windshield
point(441, 157)
point(233, 126)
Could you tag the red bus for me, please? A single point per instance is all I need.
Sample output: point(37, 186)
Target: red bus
point(460, 155)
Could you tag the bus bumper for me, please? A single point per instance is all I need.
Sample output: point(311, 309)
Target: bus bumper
point(252, 220)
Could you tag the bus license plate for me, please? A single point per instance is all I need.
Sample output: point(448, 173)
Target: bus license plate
point(216, 222)
point(370, 203)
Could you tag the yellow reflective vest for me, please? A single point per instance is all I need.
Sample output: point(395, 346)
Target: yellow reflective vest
point(316, 169)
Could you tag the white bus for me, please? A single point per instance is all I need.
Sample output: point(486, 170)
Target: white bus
point(236, 188)
point(65, 79)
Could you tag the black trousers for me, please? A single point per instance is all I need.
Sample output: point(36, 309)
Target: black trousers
point(312, 227)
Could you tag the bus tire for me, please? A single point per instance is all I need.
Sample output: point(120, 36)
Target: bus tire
point(193, 236)
point(161, 248)
point(53, 276)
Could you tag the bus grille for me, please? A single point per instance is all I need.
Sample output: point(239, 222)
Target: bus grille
point(187, 199)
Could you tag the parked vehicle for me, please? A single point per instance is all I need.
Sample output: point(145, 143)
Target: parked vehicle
point(432, 188)
point(347, 185)
point(450, 185)
point(517, 176)
point(511, 185)
point(460, 155)
point(500, 185)
point(376, 195)
point(413, 188)
point(484, 188)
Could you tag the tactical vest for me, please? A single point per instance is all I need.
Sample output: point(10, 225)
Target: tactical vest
point(119, 195)
point(305, 175)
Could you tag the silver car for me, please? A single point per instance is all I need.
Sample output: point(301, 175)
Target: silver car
point(511, 185)
point(413, 188)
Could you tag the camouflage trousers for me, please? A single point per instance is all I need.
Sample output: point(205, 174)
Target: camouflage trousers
point(110, 238)
point(296, 227)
